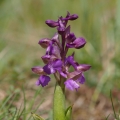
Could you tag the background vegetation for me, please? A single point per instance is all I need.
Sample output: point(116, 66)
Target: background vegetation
point(22, 26)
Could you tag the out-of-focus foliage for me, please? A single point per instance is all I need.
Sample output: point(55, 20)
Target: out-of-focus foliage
point(22, 25)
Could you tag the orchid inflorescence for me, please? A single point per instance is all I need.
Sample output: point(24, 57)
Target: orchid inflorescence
point(56, 60)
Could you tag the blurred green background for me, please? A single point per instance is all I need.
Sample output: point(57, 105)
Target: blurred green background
point(22, 25)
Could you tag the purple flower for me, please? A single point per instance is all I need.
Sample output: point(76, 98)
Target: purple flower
point(55, 59)
point(47, 58)
point(77, 43)
point(51, 23)
point(71, 84)
point(38, 70)
point(43, 80)
point(61, 27)
point(71, 17)
point(44, 42)
point(53, 66)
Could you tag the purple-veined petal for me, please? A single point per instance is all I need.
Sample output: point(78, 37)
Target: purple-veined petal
point(83, 67)
point(44, 42)
point(71, 84)
point(43, 80)
point(38, 70)
point(51, 23)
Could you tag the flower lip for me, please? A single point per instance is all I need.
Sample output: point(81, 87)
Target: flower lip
point(43, 80)
point(71, 84)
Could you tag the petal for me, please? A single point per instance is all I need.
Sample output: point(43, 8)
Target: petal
point(63, 74)
point(48, 58)
point(77, 43)
point(83, 67)
point(57, 64)
point(44, 42)
point(73, 17)
point(51, 23)
point(67, 31)
point(74, 75)
point(56, 51)
point(43, 80)
point(55, 37)
point(49, 49)
point(71, 84)
point(70, 38)
point(49, 69)
point(81, 79)
point(38, 70)
point(70, 61)
point(61, 27)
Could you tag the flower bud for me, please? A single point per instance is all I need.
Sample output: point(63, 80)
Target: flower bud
point(77, 43)
point(38, 70)
point(44, 42)
point(83, 67)
point(72, 17)
point(51, 23)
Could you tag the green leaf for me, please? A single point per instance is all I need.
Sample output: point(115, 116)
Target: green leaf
point(59, 104)
point(68, 113)
point(37, 117)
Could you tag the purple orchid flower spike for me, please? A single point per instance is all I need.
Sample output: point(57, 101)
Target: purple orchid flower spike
point(56, 60)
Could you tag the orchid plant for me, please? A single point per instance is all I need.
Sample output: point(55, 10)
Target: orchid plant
point(58, 63)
